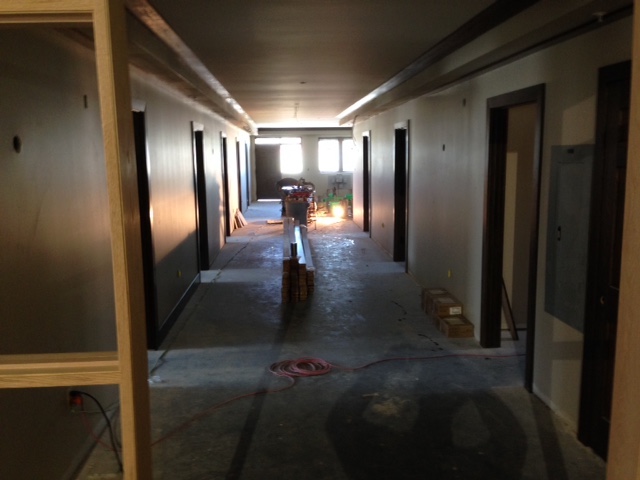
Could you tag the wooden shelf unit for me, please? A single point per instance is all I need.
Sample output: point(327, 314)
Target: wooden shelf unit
point(127, 367)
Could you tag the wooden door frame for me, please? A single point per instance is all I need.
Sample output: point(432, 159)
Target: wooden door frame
point(401, 203)
point(492, 247)
point(592, 359)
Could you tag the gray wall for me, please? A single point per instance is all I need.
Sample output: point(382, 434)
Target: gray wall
point(447, 187)
point(55, 259)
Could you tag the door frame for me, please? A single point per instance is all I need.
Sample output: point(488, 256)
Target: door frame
point(589, 429)
point(366, 182)
point(401, 202)
point(146, 228)
point(200, 180)
point(225, 183)
point(493, 241)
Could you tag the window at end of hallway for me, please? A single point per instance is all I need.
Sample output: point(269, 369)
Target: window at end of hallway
point(291, 158)
point(336, 155)
point(290, 152)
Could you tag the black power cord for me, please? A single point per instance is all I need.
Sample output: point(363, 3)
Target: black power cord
point(114, 444)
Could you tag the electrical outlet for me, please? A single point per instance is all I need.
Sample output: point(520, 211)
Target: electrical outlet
point(76, 402)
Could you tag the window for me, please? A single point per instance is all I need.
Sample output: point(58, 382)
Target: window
point(290, 152)
point(336, 155)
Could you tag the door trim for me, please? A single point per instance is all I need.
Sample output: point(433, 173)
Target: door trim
point(225, 183)
point(589, 429)
point(366, 182)
point(401, 202)
point(492, 248)
point(200, 180)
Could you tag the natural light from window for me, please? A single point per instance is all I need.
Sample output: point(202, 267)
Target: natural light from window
point(336, 155)
point(290, 152)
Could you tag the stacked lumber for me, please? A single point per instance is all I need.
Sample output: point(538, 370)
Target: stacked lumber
point(298, 272)
point(239, 221)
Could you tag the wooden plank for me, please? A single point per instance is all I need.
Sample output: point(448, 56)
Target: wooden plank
point(62, 369)
point(508, 312)
point(624, 444)
point(56, 20)
point(117, 129)
point(35, 8)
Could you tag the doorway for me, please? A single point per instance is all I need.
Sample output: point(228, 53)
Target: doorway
point(605, 248)
point(366, 182)
point(202, 219)
point(146, 229)
point(239, 170)
point(401, 187)
point(267, 172)
point(510, 239)
point(225, 185)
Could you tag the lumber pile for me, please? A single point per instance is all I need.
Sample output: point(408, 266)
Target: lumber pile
point(239, 221)
point(298, 272)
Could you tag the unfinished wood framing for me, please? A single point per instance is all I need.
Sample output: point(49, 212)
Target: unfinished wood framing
point(624, 445)
point(128, 366)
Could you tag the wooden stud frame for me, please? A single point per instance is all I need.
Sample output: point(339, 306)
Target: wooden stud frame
point(128, 367)
point(624, 442)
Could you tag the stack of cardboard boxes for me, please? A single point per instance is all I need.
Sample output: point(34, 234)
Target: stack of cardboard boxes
point(447, 312)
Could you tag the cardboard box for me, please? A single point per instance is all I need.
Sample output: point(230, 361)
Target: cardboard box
point(446, 306)
point(456, 326)
point(429, 295)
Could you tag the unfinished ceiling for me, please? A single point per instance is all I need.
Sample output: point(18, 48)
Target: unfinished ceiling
point(314, 63)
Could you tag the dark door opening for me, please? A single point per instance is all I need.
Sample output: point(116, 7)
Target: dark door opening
point(524, 189)
point(202, 220)
point(267, 172)
point(225, 185)
point(239, 170)
point(247, 169)
point(146, 230)
point(400, 174)
point(605, 249)
point(366, 183)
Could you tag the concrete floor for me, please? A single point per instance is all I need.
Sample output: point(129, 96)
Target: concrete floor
point(459, 417)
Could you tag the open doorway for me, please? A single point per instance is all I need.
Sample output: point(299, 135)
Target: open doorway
point(401, 192)
point(510, 245)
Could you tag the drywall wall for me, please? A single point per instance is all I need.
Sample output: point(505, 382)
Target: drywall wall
point(55, 252)
point(448, 162)
point(170, 149)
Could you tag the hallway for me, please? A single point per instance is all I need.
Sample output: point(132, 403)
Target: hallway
point(465, 416)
